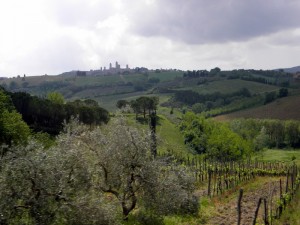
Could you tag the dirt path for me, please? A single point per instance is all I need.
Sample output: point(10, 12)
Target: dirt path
point(226, 207)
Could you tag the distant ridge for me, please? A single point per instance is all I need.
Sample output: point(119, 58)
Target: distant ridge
point(291, 70)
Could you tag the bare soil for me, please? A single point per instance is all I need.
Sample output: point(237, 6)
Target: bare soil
point(226, 204)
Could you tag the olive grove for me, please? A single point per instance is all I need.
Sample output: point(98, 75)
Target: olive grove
point(91, 176)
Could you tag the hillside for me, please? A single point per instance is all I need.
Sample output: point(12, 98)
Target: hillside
point(283, 109)
point(229, 86)
point(292, 69)
point(220, 91)
point(205, 191)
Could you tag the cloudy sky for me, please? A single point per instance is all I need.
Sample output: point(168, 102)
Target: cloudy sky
point(53, 36)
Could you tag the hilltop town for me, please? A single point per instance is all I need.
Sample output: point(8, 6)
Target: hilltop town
point(103, 71)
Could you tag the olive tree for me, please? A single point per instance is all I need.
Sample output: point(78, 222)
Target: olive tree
point(91, 176)
point(125, 168)
point(49, 186)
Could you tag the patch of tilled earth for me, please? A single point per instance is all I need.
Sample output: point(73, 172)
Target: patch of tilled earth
point(227, 213)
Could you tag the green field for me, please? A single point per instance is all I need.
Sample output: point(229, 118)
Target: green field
point(283, 108)
point(166, 76)
point(288, 156)
point(229, 86)
point(107, 90)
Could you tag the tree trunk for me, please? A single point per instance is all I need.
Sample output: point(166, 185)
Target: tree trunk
point(153, 134)
point(127, 209)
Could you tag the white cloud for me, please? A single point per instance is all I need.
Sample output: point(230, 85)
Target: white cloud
point(54, 36)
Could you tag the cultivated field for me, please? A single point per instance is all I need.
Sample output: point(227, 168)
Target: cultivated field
point(283, 109)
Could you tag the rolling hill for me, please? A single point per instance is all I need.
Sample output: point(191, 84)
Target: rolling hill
point(283, 109)
point(292, 69)
point(107, 90)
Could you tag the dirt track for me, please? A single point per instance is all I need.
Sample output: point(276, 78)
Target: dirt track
point(226, 213)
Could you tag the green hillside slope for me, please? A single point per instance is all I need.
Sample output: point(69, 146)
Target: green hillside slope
point(284, 109)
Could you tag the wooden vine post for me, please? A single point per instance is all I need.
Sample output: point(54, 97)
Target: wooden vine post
point(266, 216)
point(239, 207)
point(256, 211)
point(209, 182)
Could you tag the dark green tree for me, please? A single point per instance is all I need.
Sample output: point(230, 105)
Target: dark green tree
point(283, 92)
point(122, 104)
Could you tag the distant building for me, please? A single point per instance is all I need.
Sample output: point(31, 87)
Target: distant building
point(112, 70)
point(81, 73)
point(103, 71)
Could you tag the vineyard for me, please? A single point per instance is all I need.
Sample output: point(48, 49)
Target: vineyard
point(270, 186)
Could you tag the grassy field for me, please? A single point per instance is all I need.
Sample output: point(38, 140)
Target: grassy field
point(170, 138)
point(229, 86)
point(283, 109)
point(166, 76)
point(288, 156)
point(96, 80)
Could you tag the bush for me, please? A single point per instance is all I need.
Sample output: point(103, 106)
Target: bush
point(148, 218)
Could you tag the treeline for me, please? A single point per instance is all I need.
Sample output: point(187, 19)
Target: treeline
point(272, 77)
point(236, 105)
point(237, 139)
point(143, 105)
point(268, 133)
point(20, 110)
point(217, 103)
point(265, 73)
point(196, 74)
point(48, 116)
point(240, 103)
point(279, 81)
point(210, 100)
point(201, 73)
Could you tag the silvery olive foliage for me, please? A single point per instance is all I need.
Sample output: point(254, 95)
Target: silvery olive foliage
point(91, 176)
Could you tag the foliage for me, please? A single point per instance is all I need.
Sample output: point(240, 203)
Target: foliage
point(198, 107)
point(268, 133)
point(261, 141)
point(283, 92)
point(194, 73)
point(270, 97)
point(215, 139)
point(144, 104)
point(196, 131)
point(48, 116)
point(225, 145)
point(122, 104)
point(43, 186)
point(56, 98)
point(236, 105)
point(215, 99)
point(12, 128)
point(91, 177)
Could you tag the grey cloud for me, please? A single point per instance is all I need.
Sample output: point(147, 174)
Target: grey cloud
point(215, 21)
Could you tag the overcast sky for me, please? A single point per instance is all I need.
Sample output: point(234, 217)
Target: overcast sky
point(53, 36)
